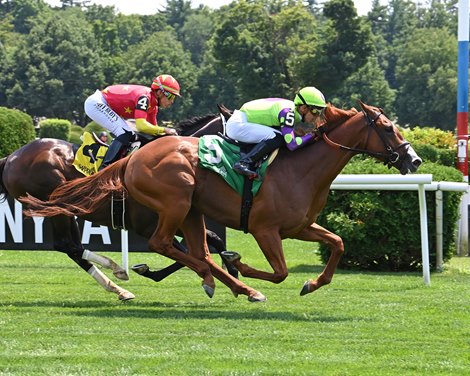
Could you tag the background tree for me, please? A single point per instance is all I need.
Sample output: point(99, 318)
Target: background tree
point(161, 53)
point(369, 85)
point(426, 74)
point(264, 49)
point(57, 68)
point(346, 44)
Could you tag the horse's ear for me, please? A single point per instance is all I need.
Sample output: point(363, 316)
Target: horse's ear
point(363, 105)
point(224, 111)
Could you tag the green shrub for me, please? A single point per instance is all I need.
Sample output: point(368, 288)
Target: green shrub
point(55, 128)
point(433, 145)
point(16, 130)
point(381, 229)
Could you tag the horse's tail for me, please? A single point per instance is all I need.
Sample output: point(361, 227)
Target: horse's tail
point(81, 196)
point(3, 189)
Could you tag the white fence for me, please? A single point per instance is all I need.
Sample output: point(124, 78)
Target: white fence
point(420, 183)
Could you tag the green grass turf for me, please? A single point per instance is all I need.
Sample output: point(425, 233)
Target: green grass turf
point(55, 320)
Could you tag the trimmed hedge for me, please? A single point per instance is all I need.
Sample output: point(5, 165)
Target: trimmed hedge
point(381, 229)
point(16, 130)
point(55, 128)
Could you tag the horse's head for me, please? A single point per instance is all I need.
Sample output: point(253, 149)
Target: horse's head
point(387, 143)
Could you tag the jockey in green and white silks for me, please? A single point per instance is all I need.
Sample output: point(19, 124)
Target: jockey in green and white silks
point(269, 123)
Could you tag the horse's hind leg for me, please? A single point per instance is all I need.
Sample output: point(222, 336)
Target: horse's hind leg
point(67, 239)
point(316, 233)
point(194, 234)
point(107, 263)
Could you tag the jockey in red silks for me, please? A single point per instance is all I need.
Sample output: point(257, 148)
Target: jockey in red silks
point(111, 106)
point(256, 122)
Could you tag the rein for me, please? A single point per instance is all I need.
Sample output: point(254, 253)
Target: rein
point(391, 156)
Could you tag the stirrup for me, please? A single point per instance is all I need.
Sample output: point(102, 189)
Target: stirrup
point(243, 169)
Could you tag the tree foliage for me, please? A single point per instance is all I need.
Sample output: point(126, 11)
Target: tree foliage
point(401, 56)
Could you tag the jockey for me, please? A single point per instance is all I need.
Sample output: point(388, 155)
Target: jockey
point(254, 122)
point(112, 105)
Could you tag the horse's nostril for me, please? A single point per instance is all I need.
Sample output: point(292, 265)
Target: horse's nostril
point(417, 162)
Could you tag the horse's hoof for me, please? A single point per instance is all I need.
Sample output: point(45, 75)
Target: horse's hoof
point(231, 256)
point(140, 268)
point(126, 295)
point(306, 288)
point(258, 297)
point(121, 274)
point(209, 290)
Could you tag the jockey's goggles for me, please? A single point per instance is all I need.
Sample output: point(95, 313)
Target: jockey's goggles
point(316, 110)
point(169, 95)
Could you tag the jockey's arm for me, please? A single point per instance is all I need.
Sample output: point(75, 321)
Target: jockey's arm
point(292, 141)
point(143, 126)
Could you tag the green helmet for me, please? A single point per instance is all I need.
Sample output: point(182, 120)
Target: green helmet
point(310, 96)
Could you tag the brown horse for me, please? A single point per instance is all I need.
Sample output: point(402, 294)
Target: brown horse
point(45, 164)
point(167, 178)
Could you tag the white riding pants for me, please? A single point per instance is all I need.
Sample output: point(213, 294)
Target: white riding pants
point(239, 128)
point(98, 110)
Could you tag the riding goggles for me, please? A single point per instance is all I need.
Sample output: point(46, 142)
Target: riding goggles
point(316, 110)
point(169, 95)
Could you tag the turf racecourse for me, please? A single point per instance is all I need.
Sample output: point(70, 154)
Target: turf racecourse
point(54, 320)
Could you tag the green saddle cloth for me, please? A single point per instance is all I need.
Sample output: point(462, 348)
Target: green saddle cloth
point(218, 155)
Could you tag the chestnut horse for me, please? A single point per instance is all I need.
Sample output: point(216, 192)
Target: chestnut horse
point(45, 164)
point(167, 178)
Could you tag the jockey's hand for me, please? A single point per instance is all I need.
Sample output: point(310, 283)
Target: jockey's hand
point(170, 131)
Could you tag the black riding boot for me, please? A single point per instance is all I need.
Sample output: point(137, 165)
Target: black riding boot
point(246, 164)
point(115, 149)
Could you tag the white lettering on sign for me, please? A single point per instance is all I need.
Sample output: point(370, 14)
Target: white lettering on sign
point(38, 230)
point(89, 229)
point(14, 221)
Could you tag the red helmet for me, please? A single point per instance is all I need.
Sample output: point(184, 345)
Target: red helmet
point(167, 84)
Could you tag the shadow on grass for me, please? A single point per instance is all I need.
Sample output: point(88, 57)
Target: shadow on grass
point(304, 268)
point(159, 311)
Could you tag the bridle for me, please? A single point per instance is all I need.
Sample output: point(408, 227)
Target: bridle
point(390, 157)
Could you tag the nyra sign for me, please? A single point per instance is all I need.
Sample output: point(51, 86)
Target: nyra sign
point(18, 232)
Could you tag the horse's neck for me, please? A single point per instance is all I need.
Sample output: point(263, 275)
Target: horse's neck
point(212, 127)
point(200, 126)
point(319, 164)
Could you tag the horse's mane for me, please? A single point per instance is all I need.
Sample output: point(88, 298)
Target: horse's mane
point(188, 126)
point(334, 115)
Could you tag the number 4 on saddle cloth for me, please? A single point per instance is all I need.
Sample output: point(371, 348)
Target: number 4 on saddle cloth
point(218, 154)
point(90, 154)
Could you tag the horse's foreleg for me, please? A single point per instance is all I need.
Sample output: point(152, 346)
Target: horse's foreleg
point(316, 233)
point(107, 263)
point(162, 242)
point(194, 234)
point(271, 246)
point(217, 244)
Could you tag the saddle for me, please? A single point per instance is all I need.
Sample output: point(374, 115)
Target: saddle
point(89, 155)
point(218, 153)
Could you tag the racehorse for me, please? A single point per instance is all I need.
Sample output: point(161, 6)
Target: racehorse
point(45, 164)
point(168, 179)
